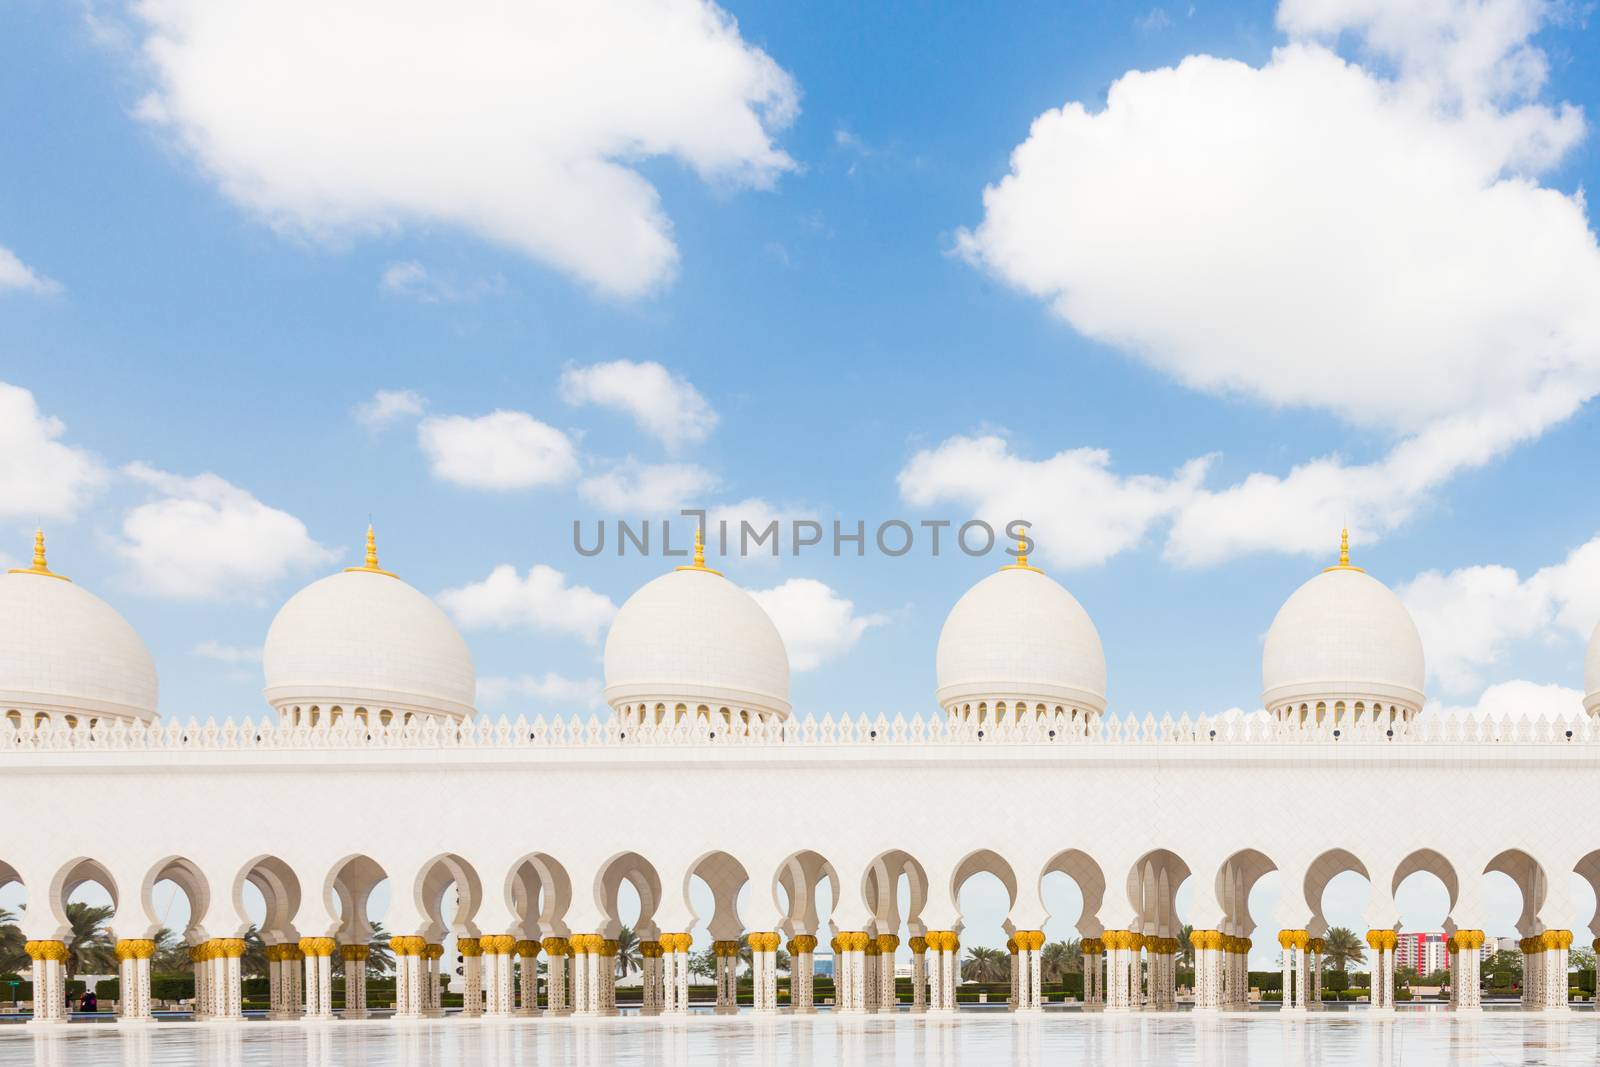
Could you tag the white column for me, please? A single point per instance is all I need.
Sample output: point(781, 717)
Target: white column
point(134, 980)
point(1014, 951)
point(318, 953)
point(764, 971)
point(888, 1000)
point(675, 973)
point(528, 953)
point(582, 999)
point(802, 974)
point(650, 977)
point(919, 975)
point(355, 980)
point(49, 995)
point(558, 959)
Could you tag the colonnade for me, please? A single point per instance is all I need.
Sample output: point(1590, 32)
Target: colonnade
point(1122, 971)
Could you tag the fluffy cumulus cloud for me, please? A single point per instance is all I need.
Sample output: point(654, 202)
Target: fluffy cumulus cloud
point(202, 538)
point(1509, 701)
point(817, 623)
point(522, 123)
point(1315, 234)
point(1471, 617)
point(387, 406)
point(663, 405)
point(17, 275)
point(548, 689)
point(633, 488)
point(40, 477)
point(542, 598)
point(503, 450)
point(1082, 511)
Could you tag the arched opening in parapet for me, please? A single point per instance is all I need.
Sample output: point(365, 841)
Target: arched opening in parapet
point(1072, 888)
point(1152, 886)
point(266, 899)
point(894, 889)
point(1425, 889)
point(539, 891)
point(1531, 887)
point(83, 899)
point(1586, 893)
point(628, 892)
point(13, 905)
point(357, 891)
point(175, 897)
point(1338, 890)
point(712, 887)
point(448, 893)
point(984, 888)
point(805, 888)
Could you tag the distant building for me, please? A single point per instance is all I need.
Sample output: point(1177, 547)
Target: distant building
point(1423, 953)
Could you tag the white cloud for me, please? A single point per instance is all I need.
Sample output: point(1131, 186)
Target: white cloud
point(502, 450)
point(541, 599)
point(546, 689)
point(40, 478)
point(1154, 22)
point(387, 406)
point(15, 274)
point(1082, 512)
point(521, 123)
point(633, 488)
point(1310, 234)
point(1471, 617)
point(411, 279)
point(204, 538)
point(1515, 700)
point(232, 654)
point(817, 624)
point(759, 515)
point(663, 405)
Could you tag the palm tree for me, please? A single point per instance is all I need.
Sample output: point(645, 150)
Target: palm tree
point(172, 953)
point(380, 959)
point(985, 965)
point(703, 964)
point(12, 955)
point(1061, 958)
point(1341, 948)
point(1185, 946)
point(629, 958)
point(254, 962)
point(91, 948)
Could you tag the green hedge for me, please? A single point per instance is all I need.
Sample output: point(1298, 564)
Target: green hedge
point(24, 989)
point(172, 986)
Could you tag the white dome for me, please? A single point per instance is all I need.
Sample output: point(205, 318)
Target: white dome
point(64, 651)
point(1343, 636)
point(693, 637)
point(1019, 636)
point(1591, 674)
point(365, 639)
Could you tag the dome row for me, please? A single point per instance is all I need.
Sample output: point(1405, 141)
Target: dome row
point(691, 644)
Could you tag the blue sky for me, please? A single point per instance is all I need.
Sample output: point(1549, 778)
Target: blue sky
point(1349, 277)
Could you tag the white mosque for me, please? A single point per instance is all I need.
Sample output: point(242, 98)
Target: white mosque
point(514, 837)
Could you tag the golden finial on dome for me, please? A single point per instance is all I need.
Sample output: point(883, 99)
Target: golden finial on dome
point(1344, 554)
point(1022, 559)
point(40, 567)
point(699, 563)
point(371, 565)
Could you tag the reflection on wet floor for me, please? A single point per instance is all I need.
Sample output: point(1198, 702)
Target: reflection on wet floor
point(1410, 1040)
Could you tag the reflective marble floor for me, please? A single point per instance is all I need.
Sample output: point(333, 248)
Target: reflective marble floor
point(1409, 1040)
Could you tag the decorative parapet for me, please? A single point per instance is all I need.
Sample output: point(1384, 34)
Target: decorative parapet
point(606, 732)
